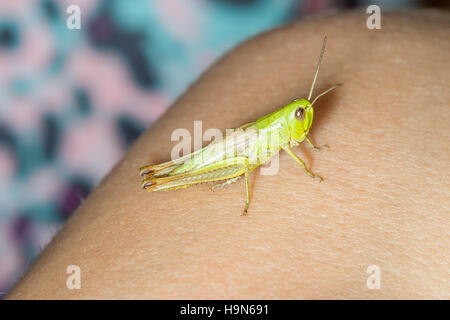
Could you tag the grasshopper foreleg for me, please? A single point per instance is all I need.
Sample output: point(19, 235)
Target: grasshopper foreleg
point(300, 162)
point(314, 147)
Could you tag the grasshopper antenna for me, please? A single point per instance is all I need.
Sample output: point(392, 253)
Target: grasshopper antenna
point(317, 69)
point(325, 92)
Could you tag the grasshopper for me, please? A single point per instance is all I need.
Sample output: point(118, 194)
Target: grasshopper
point(232, 157)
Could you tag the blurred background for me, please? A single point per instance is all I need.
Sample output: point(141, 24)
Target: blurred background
point(73, 101)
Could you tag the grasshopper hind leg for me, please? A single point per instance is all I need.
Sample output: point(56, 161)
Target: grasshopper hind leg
point(223, 184)
point(247, 170)
point(247, 200)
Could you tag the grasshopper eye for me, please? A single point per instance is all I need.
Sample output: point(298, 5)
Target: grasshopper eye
point(300, 114)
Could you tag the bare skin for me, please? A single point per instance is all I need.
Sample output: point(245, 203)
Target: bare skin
point(384, 200)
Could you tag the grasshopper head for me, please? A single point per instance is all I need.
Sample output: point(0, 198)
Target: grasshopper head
point(299, 113)
point(299, 117)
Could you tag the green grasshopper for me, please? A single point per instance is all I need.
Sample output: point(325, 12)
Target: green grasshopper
point(229, 158)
